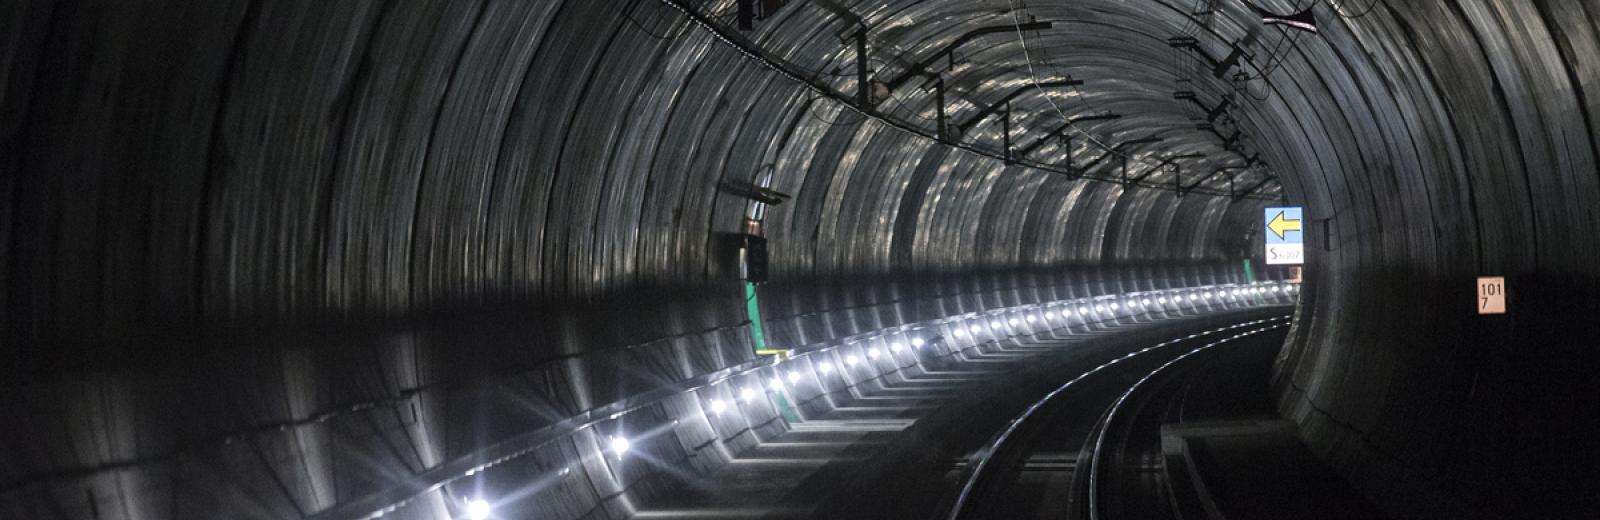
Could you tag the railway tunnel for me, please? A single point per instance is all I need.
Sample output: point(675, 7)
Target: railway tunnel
point(564, 259)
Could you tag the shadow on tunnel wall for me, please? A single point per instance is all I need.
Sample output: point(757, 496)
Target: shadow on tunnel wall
point(311, 412)
point(1452, 140)
point(235, 215)
point(1448, 413)
point(266, 256)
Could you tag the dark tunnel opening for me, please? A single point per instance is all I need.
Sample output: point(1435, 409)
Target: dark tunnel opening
point(298, 259)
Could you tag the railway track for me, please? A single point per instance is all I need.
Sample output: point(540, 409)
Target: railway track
point(1090, 449)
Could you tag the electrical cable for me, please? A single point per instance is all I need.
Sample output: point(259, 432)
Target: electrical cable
point(749, 51)
point(1017, 7)
point(1034, 76)
point(628, 14)
point(1295, 6)
point(811, 107)
point(1339, 10)
point(907, 107)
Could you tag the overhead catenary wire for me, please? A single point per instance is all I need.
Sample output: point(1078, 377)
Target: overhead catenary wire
point(1338, 8)
point(811, 110)
point(1110, 151)
point(1275, 57)
point(754, 53)
point(627, 13)
point(1034, 77)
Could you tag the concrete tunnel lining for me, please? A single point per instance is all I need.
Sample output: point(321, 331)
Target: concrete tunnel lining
point(229, 217)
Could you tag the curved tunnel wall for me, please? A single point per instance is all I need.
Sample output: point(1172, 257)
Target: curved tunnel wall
point(263, 257)
point(1458, 143)
point(294, 205)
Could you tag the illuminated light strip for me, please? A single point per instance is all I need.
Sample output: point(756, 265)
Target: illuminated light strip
point(529, 442)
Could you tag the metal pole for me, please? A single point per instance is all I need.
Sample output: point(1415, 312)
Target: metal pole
point(944, 120)
point(863, 87)
point(1005, 129)
point(1066, 142)
point(747, 15)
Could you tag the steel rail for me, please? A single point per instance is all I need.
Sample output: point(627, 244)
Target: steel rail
point(1111, 414)
point(983, 456)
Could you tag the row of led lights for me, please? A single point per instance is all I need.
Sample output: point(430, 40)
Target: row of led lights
point(479, 509)
point(620, 445)
point(617, 445)
point(1131, 303)
point(793, 377)
point(776, 384)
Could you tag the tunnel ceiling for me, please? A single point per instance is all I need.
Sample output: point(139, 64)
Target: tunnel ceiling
point(251, 196)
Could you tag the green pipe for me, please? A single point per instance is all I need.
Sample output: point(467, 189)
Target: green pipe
point(758, 337)
point(753, 308)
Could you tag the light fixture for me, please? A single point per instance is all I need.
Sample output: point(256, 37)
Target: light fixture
point(898, 347)
point(747, 394)
point(1032, 318)
point(851, 360)
point(620, 445)
point(917, 342)
point(874, 353)
point(826, 367)
point(794, 377)
point(717, 407)
point(995, 324)
point(1114, 306)
point(1162, 300)
point(478, 509)
point(959, 332)
point(775, 384)
point(1083, 310)
point(976, 329)
point(1099, 308)
point(1145, 303)
point(1013, 322)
